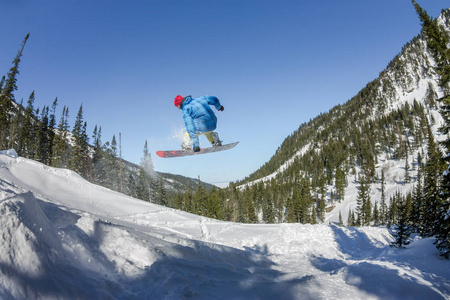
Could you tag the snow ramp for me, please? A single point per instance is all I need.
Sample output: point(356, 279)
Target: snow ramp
point(62, 237)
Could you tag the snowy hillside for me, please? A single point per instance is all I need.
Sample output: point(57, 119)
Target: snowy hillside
point(394, 168)
point(65, 238)
point(408, 79)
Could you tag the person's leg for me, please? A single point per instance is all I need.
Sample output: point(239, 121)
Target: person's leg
point(187, 142)
point(213, 138)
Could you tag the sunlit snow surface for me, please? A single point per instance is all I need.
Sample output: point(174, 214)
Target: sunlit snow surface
point(63, 237)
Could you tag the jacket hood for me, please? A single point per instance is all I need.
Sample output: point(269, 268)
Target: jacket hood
point(186, 100)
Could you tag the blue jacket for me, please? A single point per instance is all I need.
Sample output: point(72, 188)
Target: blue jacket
point(198, 116)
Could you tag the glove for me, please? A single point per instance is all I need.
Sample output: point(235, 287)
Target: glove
point(196, 149)
point(221, 108)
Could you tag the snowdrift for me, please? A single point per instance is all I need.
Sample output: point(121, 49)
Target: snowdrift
point(62, 237)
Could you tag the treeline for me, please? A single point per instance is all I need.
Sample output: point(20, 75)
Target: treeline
point(37, 134)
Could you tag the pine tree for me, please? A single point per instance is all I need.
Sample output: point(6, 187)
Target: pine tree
point(89, 170)
point(313, 218)
point(418, 205)
point(147, 162)
point(177, 201)
point(306, 200)
point(268, 210)
point(432, 198)
point(61, 149)
point(299, 207)
point(132, 185)
point(200, 198)
point(438, 40)
point(98, 160)
point(402, 230)
point(161, 193)
point(293, 206)
point(393, 209)
point(43, 152)
point(407, 176)
point(111, 164)
point(2, 84)
point(214, 208)
point(122, 179)
point(80, 153)
point(442, 223)
point(383, 205)
point(143, 186)
point(340, 184)
point(322, 193)
point(14, 128)
point(376, 215)
point(7, 96)
point(188, 201)
point(51, 130)
point(364, 207)
point(247, 207)
point(443, 229)
point(27, 132)
point(351, 218)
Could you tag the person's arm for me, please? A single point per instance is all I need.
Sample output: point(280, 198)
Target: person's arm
point(215, 102)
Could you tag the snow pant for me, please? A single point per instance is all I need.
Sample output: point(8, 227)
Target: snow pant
point(210, 135)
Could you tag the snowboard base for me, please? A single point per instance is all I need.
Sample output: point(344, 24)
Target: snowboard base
point(181, 153)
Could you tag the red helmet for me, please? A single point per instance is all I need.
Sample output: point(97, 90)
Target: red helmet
point(178, 100)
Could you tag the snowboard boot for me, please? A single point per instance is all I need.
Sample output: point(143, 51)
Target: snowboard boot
point(216, 142)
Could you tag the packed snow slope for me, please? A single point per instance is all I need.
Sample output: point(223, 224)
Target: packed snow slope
point(65, 238)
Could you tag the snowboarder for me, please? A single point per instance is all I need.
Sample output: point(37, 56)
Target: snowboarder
point(199, 119)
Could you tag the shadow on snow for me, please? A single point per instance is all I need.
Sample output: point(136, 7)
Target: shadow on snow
point(367, 270)
point(199, 270)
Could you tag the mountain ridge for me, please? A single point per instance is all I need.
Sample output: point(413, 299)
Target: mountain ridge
point(384, 85)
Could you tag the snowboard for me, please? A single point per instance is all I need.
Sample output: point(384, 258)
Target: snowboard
point(181, 153)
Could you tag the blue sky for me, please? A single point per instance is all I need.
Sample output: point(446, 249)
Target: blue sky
point(273, 64)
